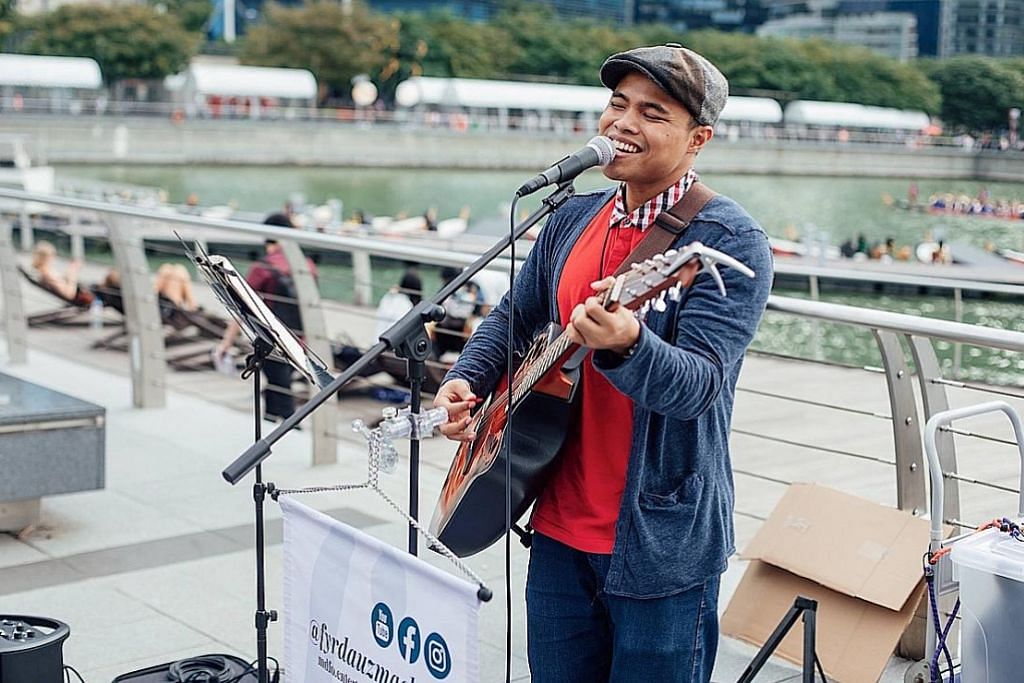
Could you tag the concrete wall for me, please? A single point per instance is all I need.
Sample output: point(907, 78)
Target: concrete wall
point(159, 141)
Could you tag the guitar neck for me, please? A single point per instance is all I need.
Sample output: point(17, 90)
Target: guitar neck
point(553, 354)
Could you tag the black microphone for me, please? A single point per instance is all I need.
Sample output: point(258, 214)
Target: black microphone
point(599, 152)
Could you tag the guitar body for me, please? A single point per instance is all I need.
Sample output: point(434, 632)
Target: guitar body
point(470, 513)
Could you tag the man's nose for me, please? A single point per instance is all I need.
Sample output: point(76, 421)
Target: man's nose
point(626, 122)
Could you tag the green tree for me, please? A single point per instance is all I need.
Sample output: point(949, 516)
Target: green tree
point(6, 18)
point(463, 49)
point(193, 14)
point(977, 92)
point(128, 41)
point(866, 77)
point(766, 65)
point(334, 42)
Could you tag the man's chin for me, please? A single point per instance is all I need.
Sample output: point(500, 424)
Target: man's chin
point(612, 173)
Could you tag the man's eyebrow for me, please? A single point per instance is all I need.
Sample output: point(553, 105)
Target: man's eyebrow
point(644, 104)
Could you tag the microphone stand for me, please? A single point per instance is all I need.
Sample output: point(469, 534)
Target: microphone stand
point(253, 365)
point(408, 334)
point(408, 339)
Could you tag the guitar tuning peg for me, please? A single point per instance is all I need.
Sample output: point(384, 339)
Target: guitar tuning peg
point(676, 292)
point(645, 309)
point(659, 258)
point(636, 266)
point(659, 304)
point(671, 253)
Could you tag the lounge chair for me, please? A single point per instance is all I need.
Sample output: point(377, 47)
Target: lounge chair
point(71, 313)
point(182, 326)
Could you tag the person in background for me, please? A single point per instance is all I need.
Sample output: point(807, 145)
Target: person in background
point(271, 278)
point(172, 283)
point(461, 311)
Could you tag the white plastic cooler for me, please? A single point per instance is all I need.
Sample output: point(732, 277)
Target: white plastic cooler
point(990, 569)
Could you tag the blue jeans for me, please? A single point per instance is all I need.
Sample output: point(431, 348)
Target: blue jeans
point(575, 632)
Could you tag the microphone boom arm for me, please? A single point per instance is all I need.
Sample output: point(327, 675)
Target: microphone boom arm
point(423, 311)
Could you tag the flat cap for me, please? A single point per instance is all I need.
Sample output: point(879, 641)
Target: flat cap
point(685, 75)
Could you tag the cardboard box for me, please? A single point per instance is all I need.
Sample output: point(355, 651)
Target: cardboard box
point(861, 561)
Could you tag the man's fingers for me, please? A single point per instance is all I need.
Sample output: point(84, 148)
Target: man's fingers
point(573, 333)
point(595, 309)
point(459, 430)
point(458, 407)
point(602, 284)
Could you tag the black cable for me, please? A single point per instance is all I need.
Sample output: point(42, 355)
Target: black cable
point(205, 669)
point(68, 670)
point(510, 369)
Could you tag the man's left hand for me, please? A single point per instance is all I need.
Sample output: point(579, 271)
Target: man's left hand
point(592, 326)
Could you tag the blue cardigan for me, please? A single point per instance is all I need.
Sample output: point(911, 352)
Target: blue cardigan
point(674, 528)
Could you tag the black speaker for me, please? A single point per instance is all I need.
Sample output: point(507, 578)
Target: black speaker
point(30, 649)
point(220, 667)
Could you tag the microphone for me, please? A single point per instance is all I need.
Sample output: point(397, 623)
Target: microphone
point(599, 152)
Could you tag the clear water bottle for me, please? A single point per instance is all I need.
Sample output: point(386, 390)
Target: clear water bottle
point(96, 314)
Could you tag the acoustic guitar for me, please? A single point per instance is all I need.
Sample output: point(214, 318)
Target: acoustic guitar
point(470, 512)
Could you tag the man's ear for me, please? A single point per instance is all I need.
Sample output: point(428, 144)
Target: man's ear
point(700, 136)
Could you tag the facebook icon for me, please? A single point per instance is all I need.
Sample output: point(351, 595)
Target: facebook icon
point(409, 640)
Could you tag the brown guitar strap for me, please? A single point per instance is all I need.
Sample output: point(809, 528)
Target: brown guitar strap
point(662, 235)
point(669, 225)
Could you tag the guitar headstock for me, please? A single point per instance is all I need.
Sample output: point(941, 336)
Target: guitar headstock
point(647, 284)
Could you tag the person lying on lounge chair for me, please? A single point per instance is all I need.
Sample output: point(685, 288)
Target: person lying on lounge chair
point(172, 283)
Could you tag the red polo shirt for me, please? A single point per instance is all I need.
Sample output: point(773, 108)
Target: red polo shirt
point(580, 506)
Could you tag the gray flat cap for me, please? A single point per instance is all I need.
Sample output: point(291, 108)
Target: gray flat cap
point(685, 75)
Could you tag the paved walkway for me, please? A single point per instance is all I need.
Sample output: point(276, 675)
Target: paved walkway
point(159, 565)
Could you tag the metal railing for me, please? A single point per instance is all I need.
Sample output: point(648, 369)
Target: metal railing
point(129, 227)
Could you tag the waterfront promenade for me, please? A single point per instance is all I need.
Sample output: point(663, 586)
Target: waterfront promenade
point(158, 565)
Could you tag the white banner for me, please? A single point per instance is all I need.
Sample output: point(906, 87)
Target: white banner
point(357, 610)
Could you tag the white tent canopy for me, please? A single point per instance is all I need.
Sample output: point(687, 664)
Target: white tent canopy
point(753, 109)
point(854, 116)
point(39, 71)
point(480, 94)
point(233, 80)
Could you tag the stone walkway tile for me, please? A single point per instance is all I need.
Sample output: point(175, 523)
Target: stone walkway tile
point(14, 552)
point(152, 639)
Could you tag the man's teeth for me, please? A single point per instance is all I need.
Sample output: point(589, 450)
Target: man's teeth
point(626, 147)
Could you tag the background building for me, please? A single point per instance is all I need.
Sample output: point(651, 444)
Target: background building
point(724, 15)
point(986, 27)
point(893, 34)
point(618, 11)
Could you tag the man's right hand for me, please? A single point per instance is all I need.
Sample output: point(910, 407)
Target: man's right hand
point(458, 399)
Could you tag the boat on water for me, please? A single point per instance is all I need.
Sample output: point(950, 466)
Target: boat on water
point(419, 226)
point(961, 206)
point(18, 172)
point(1013, 256)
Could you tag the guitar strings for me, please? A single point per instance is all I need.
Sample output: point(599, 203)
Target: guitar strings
point(523, 382)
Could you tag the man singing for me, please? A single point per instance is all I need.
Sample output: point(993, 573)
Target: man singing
point(635, 528)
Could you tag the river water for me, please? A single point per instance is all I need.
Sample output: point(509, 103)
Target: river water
point(788, 207)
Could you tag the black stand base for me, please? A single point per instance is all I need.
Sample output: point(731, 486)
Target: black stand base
point(801, 606)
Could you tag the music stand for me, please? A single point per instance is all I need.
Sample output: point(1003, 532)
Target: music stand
point(270, 339)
